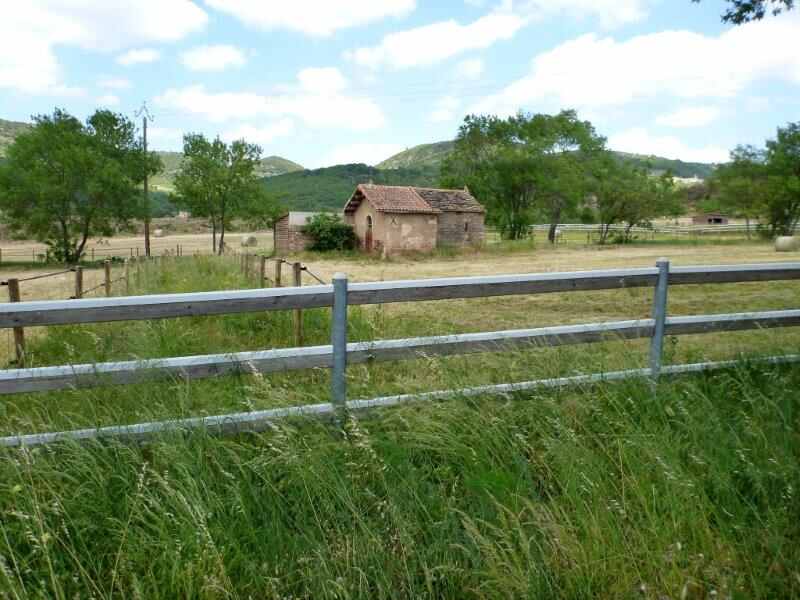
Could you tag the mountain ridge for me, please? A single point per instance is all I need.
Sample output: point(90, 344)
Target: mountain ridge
point(432, 155)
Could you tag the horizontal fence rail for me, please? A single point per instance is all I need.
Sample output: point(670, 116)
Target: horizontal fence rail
point(162, 306)
point(261, 420)
point(340, 353)
point(290, 359)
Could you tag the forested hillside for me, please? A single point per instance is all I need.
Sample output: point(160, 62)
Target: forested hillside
point(431, 156)
point(330, 187)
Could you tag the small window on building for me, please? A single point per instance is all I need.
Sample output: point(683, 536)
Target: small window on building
point(466, 226)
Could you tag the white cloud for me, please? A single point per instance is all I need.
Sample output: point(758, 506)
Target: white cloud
point(108, 100)
point(319, 99)
point(471, 68)
point(113, 83)
point(610, 13)
point(261, 135)
point(431, 44)
point(367, 153)
point(165, 137)
point(601, 72)
point(312, 17)
point(138, 56)
point(31, 33)
point(689, 116)
point(322, 80)
point(639, 141)
point(445, 109)
point(213, 58)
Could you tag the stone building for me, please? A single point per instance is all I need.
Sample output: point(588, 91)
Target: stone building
point(288, 232)
point(390, 219)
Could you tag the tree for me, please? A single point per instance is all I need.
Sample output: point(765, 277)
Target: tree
point(783, 186)
point(219, 181)
point(739, 185)
point(744, 11)
point(764, 183)
point(65, 181)
point(523, 163)
point(625, 193)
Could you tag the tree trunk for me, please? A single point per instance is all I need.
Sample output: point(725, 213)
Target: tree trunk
point(555, 219)
point(213, 235)
point(747, 225)
point(221, 247)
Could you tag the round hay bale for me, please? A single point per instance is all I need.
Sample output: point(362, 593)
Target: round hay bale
point(158, 233)
point(248, 240)
point(787, 243)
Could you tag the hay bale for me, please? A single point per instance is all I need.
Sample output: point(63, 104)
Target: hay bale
point(158, 233)
point(248, 240)
point(787, 243)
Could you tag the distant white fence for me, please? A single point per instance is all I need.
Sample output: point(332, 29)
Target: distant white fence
point(339, 353)
point(677, 230)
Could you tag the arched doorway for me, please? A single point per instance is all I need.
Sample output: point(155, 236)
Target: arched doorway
point(368, 235)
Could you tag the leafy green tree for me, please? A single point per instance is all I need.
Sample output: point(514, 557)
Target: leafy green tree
point(744, 11)
point(764, 183)
point(783, 165)
point(219, 181)
point(65, 181)
point(522, 164)
point(627, 194)
point(739, 186)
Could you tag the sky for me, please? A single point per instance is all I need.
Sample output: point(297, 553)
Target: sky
point(324, 82)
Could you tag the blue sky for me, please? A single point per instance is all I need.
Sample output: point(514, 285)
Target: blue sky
point(324, 82)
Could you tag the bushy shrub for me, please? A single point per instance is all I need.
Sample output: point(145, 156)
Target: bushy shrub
point(329, 232)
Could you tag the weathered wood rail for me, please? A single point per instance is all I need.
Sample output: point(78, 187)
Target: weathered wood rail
point(339, 353)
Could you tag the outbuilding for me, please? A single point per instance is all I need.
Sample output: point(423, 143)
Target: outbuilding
point(288, 232)
point(390, 219)
point(713, 218)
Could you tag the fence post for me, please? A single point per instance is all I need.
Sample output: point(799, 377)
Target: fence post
point(339, 342)
point(92, 254)
point(107, 272)
point(278, 264)
point(262, 271)
point(659, 317)
point(127, 277)
point(298, 313)
point(19, 332)
point(78, 282)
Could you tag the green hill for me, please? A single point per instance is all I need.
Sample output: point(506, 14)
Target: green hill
point(431, 156)
point(330, 187)
point(270, 167)
point(424, 155)
point(8, 131)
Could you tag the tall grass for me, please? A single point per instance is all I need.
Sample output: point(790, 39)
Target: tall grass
point(686, 491)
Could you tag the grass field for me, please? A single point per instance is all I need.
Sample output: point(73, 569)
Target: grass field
point(685, 491)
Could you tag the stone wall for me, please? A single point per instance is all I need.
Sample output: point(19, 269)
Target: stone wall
point(460, 229)
point(289, 239)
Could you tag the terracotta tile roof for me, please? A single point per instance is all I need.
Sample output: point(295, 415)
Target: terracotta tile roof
point(407, 199)
point(450, 200)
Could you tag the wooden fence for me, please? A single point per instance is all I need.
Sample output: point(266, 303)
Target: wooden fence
point(339, 353)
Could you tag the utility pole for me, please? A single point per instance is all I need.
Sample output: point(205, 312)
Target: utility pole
point(145, 114)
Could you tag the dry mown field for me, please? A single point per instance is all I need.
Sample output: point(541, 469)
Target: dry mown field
point(403, 320)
